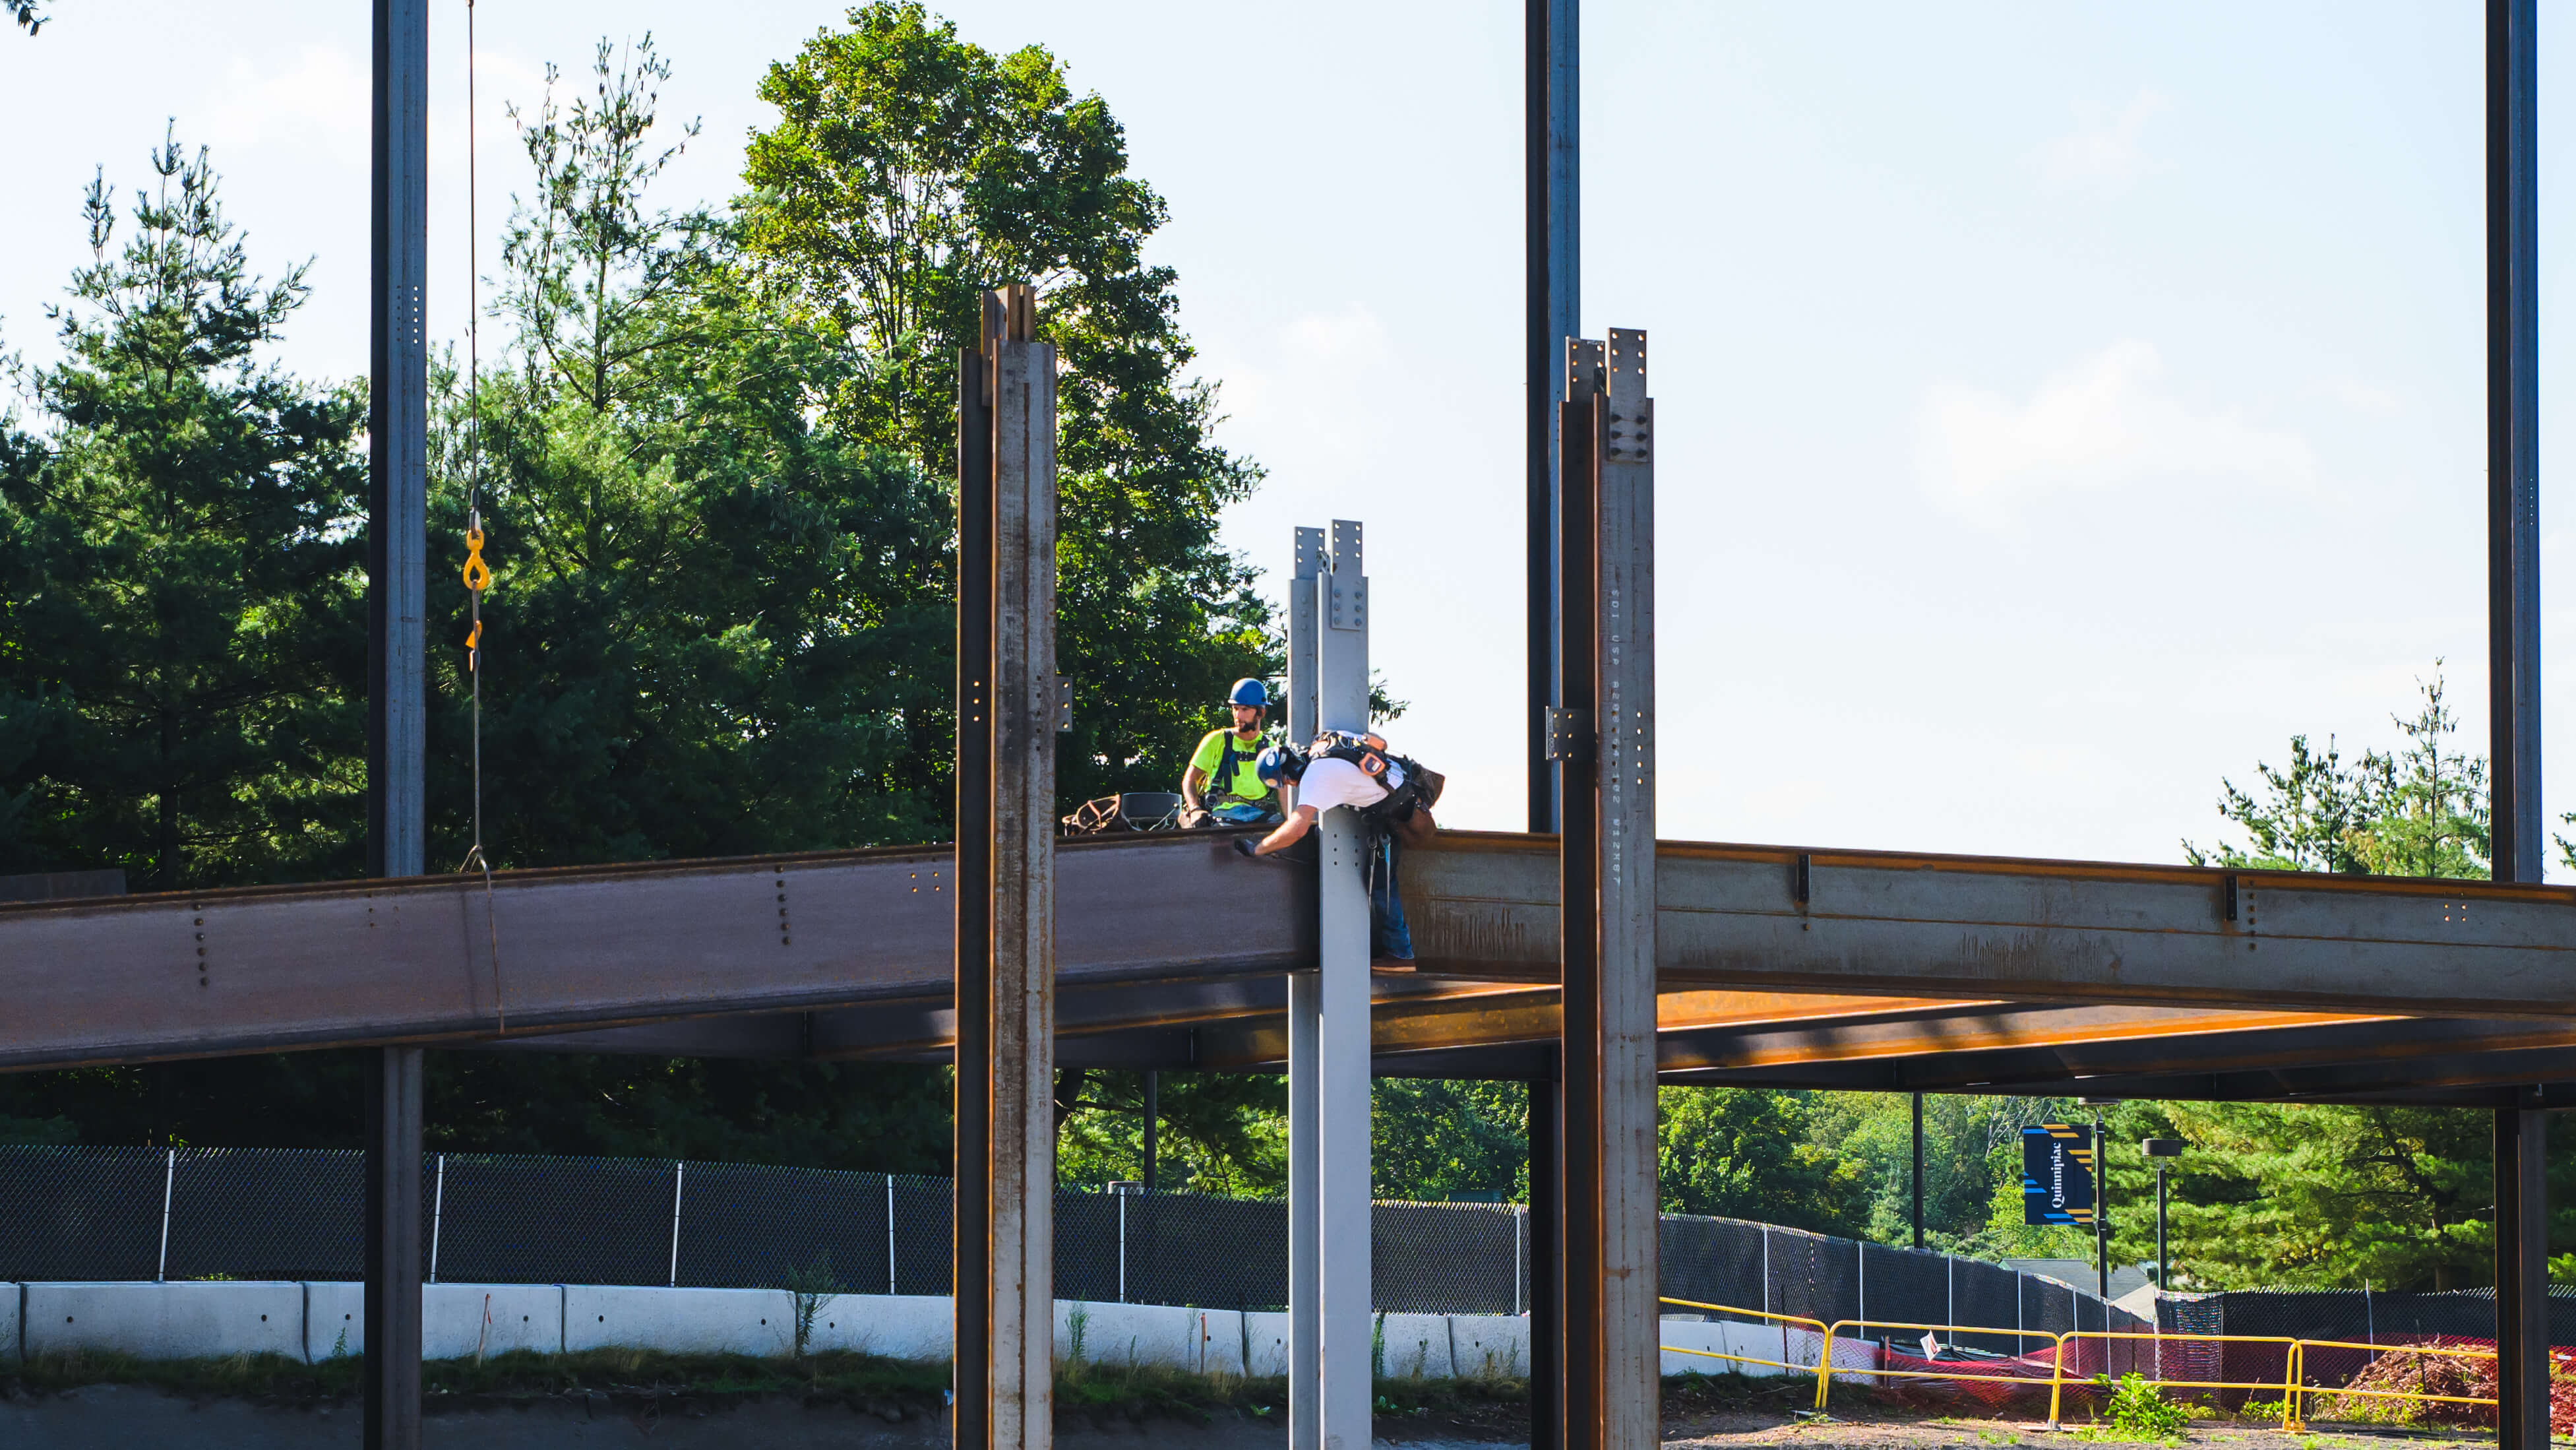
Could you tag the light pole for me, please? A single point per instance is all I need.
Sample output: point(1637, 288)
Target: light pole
point(2157, 1151)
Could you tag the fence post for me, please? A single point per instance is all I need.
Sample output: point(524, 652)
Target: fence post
point(437, 1215)
point(679, 1180)
point(1951, 1263)
point(889, 1178)
point(169, 1177)
point(1862, 1291)
point(1122, 1245)
point(1520, 1238)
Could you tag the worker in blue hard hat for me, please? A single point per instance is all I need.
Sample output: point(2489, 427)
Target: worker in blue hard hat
point(1221, 786)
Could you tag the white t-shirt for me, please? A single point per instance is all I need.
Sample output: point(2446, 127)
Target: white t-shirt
point(1329, 783)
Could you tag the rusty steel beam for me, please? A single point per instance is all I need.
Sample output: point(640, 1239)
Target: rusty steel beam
point(370, 962)
point(1906, 924)
point(363, 962)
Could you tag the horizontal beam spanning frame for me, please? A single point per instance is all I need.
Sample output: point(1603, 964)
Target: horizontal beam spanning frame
point(362, 962)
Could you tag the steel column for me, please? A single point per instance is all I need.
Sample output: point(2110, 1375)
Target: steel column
point(1332, 1011)
point(1305, 1018)
point(397, 593)
point(1014, 1375)
point(2522, 1279)
point(1553, 252)
point(1580, 1226)
point(392, 1300)
point(2513, 440)
point(1546, 1267)
point(971, 1186)
point(1624, 791)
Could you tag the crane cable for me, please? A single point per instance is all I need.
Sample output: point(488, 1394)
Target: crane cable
point(477, 574)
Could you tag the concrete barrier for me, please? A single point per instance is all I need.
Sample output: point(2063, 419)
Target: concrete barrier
point(1489, 1345)
point(523, 1316)
point(680, 1321)
point(1416, 1346)
point(1266, 1334)
point(11, 1351)
point(167, 1321)
point(898, 1326)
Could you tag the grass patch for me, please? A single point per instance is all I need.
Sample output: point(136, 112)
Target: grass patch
point(519, 1374)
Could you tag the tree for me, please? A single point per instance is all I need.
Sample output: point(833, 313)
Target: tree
point(1441, 1141)
point(181, 623)
point(2421, 811)
point(1747, 1153)
point(908, 172)
point(24, 12)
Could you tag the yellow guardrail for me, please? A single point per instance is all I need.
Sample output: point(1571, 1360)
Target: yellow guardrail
point(2294, 1391)
point(1825, 1361)
point(1783, 1320)
point(2300, 1390)
point(2288, 1385)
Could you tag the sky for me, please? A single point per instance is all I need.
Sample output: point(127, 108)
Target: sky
point(2058, 406)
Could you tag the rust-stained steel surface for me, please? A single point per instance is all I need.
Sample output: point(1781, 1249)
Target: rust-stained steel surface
point(2043, 931)
point(116, 979)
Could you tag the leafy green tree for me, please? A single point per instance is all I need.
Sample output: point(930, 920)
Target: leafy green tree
point(1439, 1141)
point(1221, 1133)
point(908, 172)
point(24, 12)
point(181, 601)
point(1748, 1153)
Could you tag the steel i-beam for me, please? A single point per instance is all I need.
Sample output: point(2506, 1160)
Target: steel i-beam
point(1330, 1365)
point(1005, 1226)
point(1603, 738)
point(397, 595)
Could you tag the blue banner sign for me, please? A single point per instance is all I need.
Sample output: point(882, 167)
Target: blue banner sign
point(2057, 1174)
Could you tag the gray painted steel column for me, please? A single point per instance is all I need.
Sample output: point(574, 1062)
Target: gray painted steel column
point(397, 591)
point(1015, 1379)
point(1624, 661)
point(1329, 1168)
point(1305, 1017)
point(2513, 439)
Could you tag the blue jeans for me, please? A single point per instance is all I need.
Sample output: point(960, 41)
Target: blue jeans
point(1388, 935)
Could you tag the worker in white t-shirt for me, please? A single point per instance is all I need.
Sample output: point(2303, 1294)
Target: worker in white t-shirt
point(1391, 808)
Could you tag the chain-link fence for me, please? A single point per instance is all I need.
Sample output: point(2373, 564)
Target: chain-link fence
point(76, 1213)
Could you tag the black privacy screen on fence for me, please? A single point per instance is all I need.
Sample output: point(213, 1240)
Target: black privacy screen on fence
point(72, 1213)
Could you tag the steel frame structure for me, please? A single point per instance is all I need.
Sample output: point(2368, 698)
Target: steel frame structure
point(1565, 963)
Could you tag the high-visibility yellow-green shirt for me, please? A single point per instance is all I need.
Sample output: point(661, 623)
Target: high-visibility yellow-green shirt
point(1242, 783)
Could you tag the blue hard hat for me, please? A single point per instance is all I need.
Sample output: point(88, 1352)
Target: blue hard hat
point(1249, 692)
point(1279, 765)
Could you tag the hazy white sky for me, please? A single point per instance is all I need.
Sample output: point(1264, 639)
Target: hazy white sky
point(2059, 405)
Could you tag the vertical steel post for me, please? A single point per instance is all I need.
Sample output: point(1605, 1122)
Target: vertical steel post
point(2101, 1218)
point(679, 1185)
point(2513, 671)
point(1578, 871)
point(2522, 1279)
point(1305, 1018)
point(1546, 1263)
point(392, 1303)
point(437, 1214)
point(1338, 1102)
point(397, 594)
point(1570, 733)
point(970, 1283)
point(1017, 1214)
point(1624, 796)
point(1552, 216)
point(2513, 439)
point(1918, 1171)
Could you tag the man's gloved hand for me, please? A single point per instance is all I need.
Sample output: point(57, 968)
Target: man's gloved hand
point(1243, 847)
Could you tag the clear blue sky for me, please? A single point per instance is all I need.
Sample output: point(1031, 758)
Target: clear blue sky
point(2059, 405)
